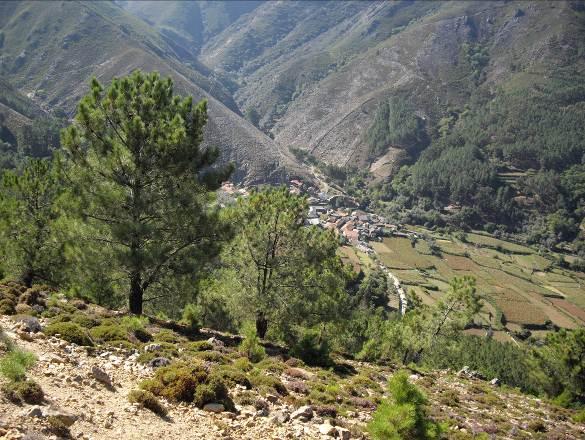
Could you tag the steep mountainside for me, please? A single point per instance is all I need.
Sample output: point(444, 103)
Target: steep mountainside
point(316, 73)
point(50, 50)
point(188, 24)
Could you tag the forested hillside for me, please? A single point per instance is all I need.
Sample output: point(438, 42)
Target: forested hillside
point(482, 99)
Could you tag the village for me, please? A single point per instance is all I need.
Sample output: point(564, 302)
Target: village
point(337, 212)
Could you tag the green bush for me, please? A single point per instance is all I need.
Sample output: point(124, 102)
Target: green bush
point(13, 366)
point(212, 356)
point(250, 346)
point(579, 417)
point(213, 391)
point(182, 382)
point(136, 325)
point(109, 332)
point(404, 416)
point(267, 384)
point(147, 400)
point(70, 332)
point(231, 376)
point(199, 346)
point(192, 317)
point(272, 365)
point(7, 307)
point(176, 382)
point(27, 391)
point(84, 320)
point(168, 336)
point(133, 323)
point(312, 349)
point(243, 364)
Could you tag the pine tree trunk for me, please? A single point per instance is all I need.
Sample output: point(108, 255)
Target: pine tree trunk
point(27, 277)
point(136, 294)
point(261, 325)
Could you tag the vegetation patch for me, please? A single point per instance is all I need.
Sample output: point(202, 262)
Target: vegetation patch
point(147, 400)
point(188, 382)
point(70, 332)
point(27, 391)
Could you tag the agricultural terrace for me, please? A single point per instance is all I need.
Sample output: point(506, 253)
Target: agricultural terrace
point(519, 288)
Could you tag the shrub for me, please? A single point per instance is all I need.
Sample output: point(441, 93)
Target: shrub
point(231, 376)
point(272, 365)
point(132, 323)
point(84, 320)
point(267, 383)
point(13, 366)
point(70, 332)
point(182, 382)
point(58, 427)
point(199, 346)
point(212, 356)
point(312, 349)
point(191, 317)
point(136, 325)
point(168, 336)
point(23, 309)
point(579, 417)
point(147, 400)
point(108, 332)
point(7, 307)
point(405, 415)
point(212, 391)
point(27, 391)
point(250, 346)
point(243, 364)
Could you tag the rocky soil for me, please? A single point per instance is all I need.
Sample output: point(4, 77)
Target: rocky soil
point(87, 389)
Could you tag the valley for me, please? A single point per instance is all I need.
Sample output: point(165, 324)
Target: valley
point(336, 219)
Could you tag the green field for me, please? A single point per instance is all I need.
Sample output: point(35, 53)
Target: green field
point(517, 285)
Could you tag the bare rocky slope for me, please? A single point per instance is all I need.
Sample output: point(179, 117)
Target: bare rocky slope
point(50, 50)
point(317, 72)
point(86, 387)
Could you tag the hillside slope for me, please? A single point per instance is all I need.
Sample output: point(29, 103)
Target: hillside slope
point(316, 73)
point(87, 387)
point(51, 50)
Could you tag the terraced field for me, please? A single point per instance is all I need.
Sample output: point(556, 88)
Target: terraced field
point(519, 287)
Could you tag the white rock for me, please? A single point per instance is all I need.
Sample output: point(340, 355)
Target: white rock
point(101, 376)
point(304, 413)
point(327, 429)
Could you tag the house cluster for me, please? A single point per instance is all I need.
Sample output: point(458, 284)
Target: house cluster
point(340, 213)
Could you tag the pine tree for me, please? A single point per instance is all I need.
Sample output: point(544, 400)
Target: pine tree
point(281, 272)
point(142, 181)
point(28, 216)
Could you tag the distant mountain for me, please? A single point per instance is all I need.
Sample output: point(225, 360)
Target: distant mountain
point(189, 24)
point(316, 72)
point(50, 50)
